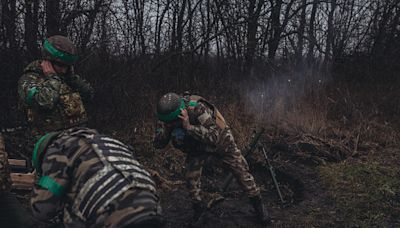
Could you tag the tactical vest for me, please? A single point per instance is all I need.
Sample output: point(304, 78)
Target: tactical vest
point(121, 171)
point(219, 119)
point(68, 112)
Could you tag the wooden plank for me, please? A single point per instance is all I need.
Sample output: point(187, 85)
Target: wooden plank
point(22, 180)
point(17, 162)
point(2, 144)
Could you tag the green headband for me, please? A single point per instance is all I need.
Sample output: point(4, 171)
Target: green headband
point(65, 57)
point(173, 115)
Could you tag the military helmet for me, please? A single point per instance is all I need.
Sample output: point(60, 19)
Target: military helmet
point(59, 49)
point(169, 107)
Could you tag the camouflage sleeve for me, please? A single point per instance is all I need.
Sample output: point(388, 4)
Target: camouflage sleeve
point(5, 179)
point(48, 192)
point(81, 85)
point(162, 136)
point(35, 92)
point(207, 132)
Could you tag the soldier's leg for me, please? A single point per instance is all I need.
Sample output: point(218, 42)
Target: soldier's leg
point(194, 167)
point(233, 158)
point(239, 167)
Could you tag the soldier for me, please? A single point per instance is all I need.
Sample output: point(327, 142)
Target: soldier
point(196, 127)
point(92, 181)
point(49, 90)
point(12, 213)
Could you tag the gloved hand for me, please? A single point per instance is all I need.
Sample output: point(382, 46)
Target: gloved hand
point(184, 116)
point(178, 133)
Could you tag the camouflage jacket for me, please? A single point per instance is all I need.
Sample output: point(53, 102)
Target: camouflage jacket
point(205, 135)
point(52, 102)
point(5, 179)
point(92, 180)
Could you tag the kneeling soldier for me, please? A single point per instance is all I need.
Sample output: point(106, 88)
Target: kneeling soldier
point(197, 128)
point(92, 181)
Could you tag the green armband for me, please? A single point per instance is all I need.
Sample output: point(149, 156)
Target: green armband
point(31, 93)
point(51, 185)
point(192, 103)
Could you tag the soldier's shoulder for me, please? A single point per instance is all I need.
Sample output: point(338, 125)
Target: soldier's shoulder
point(34, 67)
point(199, 108)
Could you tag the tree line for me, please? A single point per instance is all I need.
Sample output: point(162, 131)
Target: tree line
point(303, 31)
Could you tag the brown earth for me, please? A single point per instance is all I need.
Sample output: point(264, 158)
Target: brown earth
point(335, 157)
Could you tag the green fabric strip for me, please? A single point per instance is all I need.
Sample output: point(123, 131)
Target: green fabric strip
point(173, 115)
point(192, 103)
point(51, 185)
point(65, 57)
point(35, 156)
point(31, 93)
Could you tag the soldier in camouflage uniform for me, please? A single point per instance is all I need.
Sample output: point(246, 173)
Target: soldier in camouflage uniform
point(92, 181)
point(5, 180)
point(49, 90)
point(197, 128)
point(12, 213)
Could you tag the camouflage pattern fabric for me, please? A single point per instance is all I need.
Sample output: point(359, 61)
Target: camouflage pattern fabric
point(205, 138)
point(53, 102)
point(72, 162)
point(5, 179)
point(12, 213)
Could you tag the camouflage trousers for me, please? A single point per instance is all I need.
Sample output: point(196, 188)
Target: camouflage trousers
point(231, 156)
point(135, 208)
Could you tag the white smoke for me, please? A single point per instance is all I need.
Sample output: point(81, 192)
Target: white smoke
point(275, 97)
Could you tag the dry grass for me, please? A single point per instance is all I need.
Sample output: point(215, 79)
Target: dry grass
point(342, 117)
point(365, 193)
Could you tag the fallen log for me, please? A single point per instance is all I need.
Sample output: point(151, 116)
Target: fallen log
point(22, 181)
point(17, 162)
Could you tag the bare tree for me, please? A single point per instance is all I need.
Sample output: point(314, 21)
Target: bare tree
point(53, 17)
point(31, 23)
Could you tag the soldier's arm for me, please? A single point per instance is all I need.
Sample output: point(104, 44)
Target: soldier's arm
point(162, 136)
point(35, 93)
point(48, 192)
point(81, 85)
point(207, 132)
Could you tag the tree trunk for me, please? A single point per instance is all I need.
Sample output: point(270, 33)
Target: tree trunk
point(300, 36)
point(87, 33)
point(311, 34)
point(252, 26)
point(273, 43)
point(53, 17)
point(329, 38)
point(9, 20)
point(31, 28)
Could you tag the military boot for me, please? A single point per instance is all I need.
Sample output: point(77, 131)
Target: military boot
point(260, 209)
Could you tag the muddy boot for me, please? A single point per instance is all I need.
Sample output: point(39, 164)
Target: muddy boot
point(260, 209)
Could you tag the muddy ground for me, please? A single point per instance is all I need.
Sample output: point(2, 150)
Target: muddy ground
point(301, 167)
point(343, 174)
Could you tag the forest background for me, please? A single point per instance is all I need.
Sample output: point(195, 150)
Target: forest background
point(300, 68)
